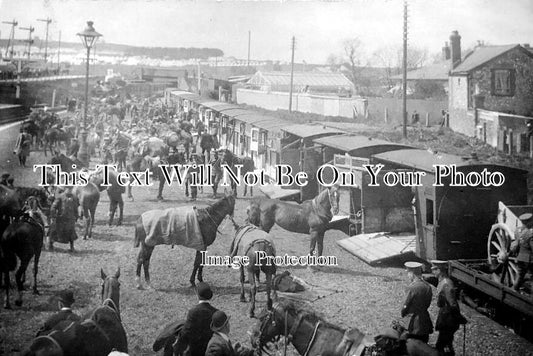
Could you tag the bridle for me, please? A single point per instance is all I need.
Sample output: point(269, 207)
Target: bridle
point(288, 334)
point(109, 302)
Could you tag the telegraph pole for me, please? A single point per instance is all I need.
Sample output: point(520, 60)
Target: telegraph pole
point(292, 73)
point(404, 78)
point(58, 53)
point(48, 21)
point(11, 40)
point(249, 40)
point(29, 40)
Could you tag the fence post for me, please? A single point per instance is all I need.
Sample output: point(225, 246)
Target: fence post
point(427, 119)
point(510, 141)
point(386, 115)
point(531, 146)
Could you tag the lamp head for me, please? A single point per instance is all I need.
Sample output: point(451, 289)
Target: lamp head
point(89, 36)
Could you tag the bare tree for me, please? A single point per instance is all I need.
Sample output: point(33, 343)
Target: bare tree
point(416, 57)
point(387, 57)
point(353, 54)
point(334, 62)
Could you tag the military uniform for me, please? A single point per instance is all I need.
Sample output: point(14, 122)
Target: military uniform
point(65, 210)
point(216, 172)
point(418, 300)
point(449, 317)
point(523, 244)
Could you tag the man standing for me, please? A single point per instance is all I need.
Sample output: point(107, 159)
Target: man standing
point(65, 212)
point(196, 331)
point(216, 172)
point(192, 176)
point(220, 344)
point(523, 244)
point(449, 317)
point(417, 303)
point(22, 147)
point(66, 299)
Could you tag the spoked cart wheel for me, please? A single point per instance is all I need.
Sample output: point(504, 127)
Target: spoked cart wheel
point(498, 249)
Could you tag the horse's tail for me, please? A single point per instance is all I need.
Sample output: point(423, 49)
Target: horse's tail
point(138, 227)
point(254, 212)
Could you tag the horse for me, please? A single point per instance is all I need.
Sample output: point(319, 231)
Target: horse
point(207, 143)
point(232, 161)
point(107, 316)
point(34, 130)
point(22, 239)
point(67, 164)
point(40, 195)
point(157, 162)
point(88, 196)
point(53, 136)
point(208, 218)
point(256, 244)
point(311, 217)
point(310, 334)
point(114, 192)
point(174, 139)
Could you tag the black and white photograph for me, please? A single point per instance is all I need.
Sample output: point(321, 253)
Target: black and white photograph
point(266, 177)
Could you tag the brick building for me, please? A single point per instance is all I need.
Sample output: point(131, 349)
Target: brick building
point(491, 94)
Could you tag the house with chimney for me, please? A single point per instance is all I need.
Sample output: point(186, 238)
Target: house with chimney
point(491, 94)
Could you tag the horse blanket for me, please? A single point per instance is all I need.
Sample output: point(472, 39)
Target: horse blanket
point(245, 238)
point(173, 226)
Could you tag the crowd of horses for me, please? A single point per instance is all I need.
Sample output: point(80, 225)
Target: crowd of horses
point(148, 145)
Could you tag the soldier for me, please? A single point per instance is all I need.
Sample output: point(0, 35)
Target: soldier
point(190, 178)
point(72, 152)
point(65, 212)
point(66, 299)
point(216, 172)
point(417, 303)
point(196, 332)
point(523, 244)
point(22, 146)
point(449, 317)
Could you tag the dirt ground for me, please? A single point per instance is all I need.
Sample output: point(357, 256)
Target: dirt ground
point(358, 295)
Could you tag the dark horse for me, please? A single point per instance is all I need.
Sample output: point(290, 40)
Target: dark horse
point(310, 334)
point(256, 244)
point(22, 239)
point(311, 217)
point(97, 334)
point(209, 219)
point(107, 315)
point(233, 162)
point(53, 136)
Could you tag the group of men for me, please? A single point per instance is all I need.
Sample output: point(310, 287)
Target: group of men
point(419, 297)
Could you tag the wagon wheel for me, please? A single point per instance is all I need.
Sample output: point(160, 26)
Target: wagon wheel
point(498, 249)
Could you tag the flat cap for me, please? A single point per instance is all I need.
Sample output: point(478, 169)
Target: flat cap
point(439, 264)
point(66, 296)
point(5, 175)
point(525, 216)
point(413, 266)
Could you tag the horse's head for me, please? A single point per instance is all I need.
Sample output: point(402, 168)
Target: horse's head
point(333, 195)
point(270, 326)
point(226, 157)
point(111, 288)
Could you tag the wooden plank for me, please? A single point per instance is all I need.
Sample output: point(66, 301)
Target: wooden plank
point(375, 247)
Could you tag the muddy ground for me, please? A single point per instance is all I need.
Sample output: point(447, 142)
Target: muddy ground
point(358, 295)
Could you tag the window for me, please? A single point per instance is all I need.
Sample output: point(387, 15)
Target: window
point(503, 82)
point(429, 212)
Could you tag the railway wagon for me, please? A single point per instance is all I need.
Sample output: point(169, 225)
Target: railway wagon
point(472, 226)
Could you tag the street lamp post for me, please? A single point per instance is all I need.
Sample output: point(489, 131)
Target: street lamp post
point(88, 37)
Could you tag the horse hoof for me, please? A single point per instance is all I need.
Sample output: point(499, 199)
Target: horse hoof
point(139, 287)
point(36, 292)
point(119, 223)
point(7, 306)
point(18, 303)
point(251, 314)
point(243, 299)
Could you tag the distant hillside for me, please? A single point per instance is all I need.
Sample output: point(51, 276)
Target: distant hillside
point(151, 52)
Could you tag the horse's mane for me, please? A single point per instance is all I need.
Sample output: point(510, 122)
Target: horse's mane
point(26, 192)
point(216, 206)
point(308, 313)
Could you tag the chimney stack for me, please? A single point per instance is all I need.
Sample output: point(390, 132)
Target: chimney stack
point(446, 51)
point(526, 45)
point(455, 42)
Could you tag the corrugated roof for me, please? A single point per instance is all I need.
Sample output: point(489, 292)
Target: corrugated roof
point(348, 143)
point(435, 71)
point(307, 131)
point(185, 94)
point(481, 55)
point(236, 112)
point(219, 105)
point(301, 79)
point(424, 160)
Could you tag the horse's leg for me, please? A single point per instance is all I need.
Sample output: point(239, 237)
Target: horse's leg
point(36, 258)
point(7, 286)
point(187, 188)
point(87, 219)
point(245, 190)
point(130, 196)
point(121, 211)
point(24, 261)
point(196, 268)
point(146, 263)
point(253, 291)
point(161, 185)
point(243, 297)
point(269, 273)
point(112, 210)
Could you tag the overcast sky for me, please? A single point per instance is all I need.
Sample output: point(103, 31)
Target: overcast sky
point(319, 26)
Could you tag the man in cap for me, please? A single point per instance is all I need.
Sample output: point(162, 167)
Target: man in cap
point(66, 299)
point(523, 245)
point(417, 303)
point(449, 317)
point(192, 183)
point(196, 331)
point(216, 171)
point(220, 343)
